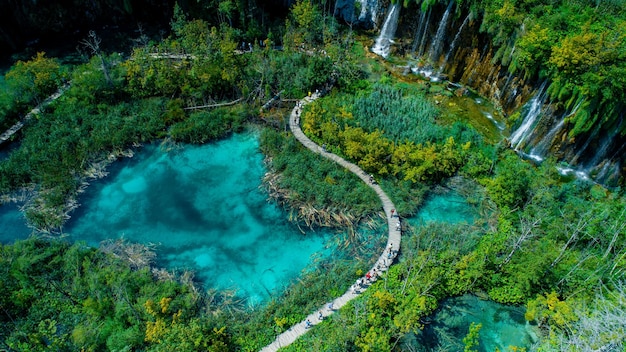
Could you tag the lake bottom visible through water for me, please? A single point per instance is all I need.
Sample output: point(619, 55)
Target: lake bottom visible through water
point(503, 327)
point(203, 208)
point(12, 224)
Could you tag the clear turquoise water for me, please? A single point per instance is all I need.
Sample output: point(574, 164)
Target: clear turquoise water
point(203, 206)
point(449, 207)
point(503, 326)
point(12, 224)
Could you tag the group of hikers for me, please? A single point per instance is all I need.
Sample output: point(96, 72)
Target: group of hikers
point(362, 282)
point(385, 260)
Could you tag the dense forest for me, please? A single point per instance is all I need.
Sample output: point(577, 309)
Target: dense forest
point(196, 72)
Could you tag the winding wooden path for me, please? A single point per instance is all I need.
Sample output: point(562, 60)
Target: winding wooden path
point(383, 262)
point(34, 112)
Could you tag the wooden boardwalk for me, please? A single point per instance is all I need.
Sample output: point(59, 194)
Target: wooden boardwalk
point(35, 111)
point(383, 262)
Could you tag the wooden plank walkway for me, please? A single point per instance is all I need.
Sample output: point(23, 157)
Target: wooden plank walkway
point(35, 111)
point(383, 262)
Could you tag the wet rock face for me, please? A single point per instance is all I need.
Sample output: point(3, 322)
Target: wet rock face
point(364, 14)
point(344, 10)
point(451, 45)
point(443, 44)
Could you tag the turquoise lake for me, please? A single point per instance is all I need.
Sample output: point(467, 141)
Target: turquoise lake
point(503, 327)
point(12, 224)
point(449, 207)
point(203, 207)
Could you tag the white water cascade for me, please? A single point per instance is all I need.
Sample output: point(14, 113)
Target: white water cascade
point(601, 151)
point(418, 32)
point(368, 7)
point(539, 151)
point(422, 46)
point(455, 41)
point(524, 130)
point(383, 43)
point(435, 47)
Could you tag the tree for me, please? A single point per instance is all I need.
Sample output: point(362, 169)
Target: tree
point(471, 339)
point(32, 81)
point(308, 22)
point(92, 42)
point(549, 310)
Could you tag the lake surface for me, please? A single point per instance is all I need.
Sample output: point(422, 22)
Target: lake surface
point(12, 224)
point(203, 207)
point(503, 327)
point(449, 207)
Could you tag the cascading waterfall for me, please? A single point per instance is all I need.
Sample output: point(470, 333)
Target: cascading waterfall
point(539, 151)
point(526, 128)
point(600, 154)
point(610, 168)
point(383, 43)
point(368, 7)
point(455, 41)
point(597, 159)
point(435, 47)
point(363, 9)
point(422, 46)
point(418, 33)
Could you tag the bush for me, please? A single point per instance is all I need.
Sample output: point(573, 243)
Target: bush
point(206, 126)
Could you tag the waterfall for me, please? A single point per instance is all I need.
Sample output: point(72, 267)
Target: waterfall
point(422, 46)
point(382, 46)
point(539, 151)
point(506, 83)
point(600, 153)
point(368, 7)
point(534, 110)
point(455, 41)
point(611, 168)
point(363, 10)
point(418, 32)
point(435, 47)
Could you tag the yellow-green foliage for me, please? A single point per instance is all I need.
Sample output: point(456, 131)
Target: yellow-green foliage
point(373, 150)
point(31, 81)
point(549, 309)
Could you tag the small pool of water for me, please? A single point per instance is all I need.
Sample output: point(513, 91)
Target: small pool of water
point(449, 207)
point(476, 111)
point(503, 327)
point(203, 207)
point(12, 224)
